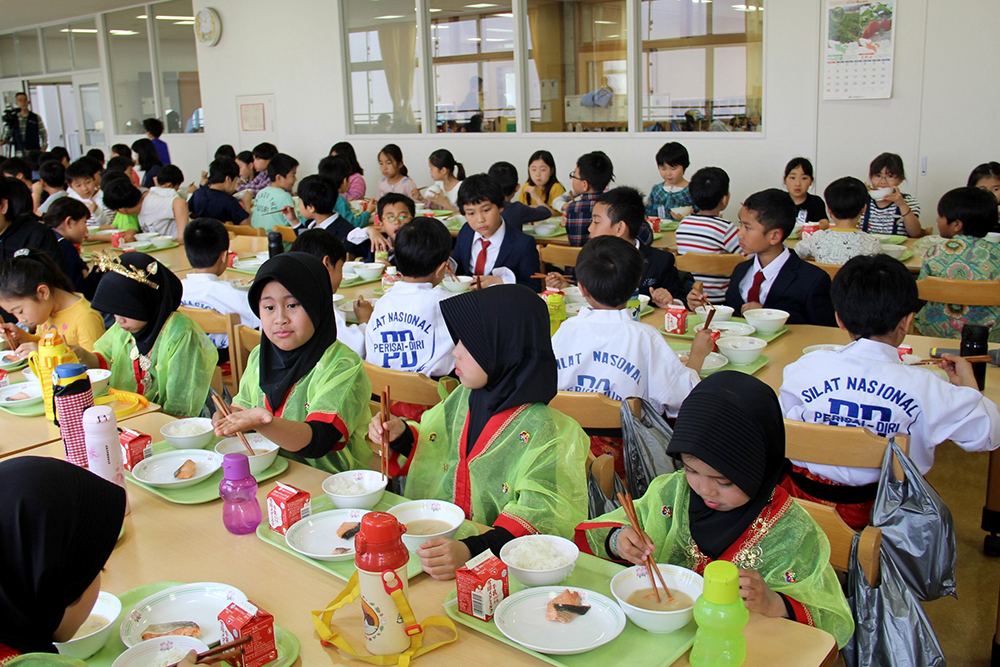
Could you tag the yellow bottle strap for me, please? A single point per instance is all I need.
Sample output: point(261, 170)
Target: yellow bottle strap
point(328, 634)
point(131, 400)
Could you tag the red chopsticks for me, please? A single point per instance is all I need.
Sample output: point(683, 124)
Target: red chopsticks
point(221, 652)
point(385, 416)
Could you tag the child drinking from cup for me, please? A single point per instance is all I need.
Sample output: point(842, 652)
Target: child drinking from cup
point(895, 212)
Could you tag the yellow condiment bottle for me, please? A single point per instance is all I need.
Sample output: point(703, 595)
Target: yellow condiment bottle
point(52, 351)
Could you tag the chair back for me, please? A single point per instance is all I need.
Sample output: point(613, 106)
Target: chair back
point(831, 269)
point(839, 446)
point(593, 411)
point(212, 322)
point(246, 244)
point(960, 292)
point(841, 537)
point(559, 255)
point(244, 230)
point(287, 233)
point(710, 264)
point(407, 387)
point(241, 344)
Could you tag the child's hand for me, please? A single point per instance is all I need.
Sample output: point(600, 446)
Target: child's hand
point(441, 556)
point(758, 596)
point(24, 349)
point(289, 213)
point(363, 310)
point(204, 178)
point(241, 421)
point(441, 201)
point(378, 240)
point(696, 297)
point(376, 426)
point(958, 369)
point(630, 546)
point(661, 297)
point(88, 359)
point(700, 348)
point(218, 417)
point(895, 196)
point(130, 235)
point(676, 216)
point(750, 306)
point(555, 281)
point(486, 281)
point(17, 334)
point(192, 188)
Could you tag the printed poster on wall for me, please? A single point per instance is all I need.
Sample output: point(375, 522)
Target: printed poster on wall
point(858, 54)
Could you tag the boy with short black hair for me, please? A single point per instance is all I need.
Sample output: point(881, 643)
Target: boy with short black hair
point(216, 200)
point(60, 153)
point(170, 176)
point(156, 213)
point(67, 218)
point(322, 244)
point(774, 277)
point(206, 244)
point(80, 178)
point(317, 203)
point(672, 160)
point(846, 199)
point(864, 384)
point(515, 213)
point(154, 128)
point(707, 232)
point(97, 155)
point(15, 167)
point(604, 350)
point(262, 155)
point(406, 331)
point(589, 179)
point(393, 211)
point(52, 176)
point(282, 172)
point(486, 246)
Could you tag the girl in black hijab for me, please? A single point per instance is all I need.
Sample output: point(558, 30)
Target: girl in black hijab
point(152, 349)
point(725, 505)
point(58, 525)
point(302, 389)
point(494, 447)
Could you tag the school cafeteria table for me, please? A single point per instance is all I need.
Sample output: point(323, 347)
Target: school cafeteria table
point(174, 259)
point(169, 542)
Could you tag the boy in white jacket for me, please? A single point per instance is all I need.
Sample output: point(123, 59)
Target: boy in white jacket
point(865, 384)
point(603, 350)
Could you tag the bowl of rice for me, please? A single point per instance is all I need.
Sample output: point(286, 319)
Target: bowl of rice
point(159, 653)
point(540, 560)
point(192, 433)
point(355, 489)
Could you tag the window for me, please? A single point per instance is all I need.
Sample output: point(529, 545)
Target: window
point(385, 80)
point(8, 56)
point(701, 65)
point(93, 119)
point(131, 73)
point(472, 46)
point(57, 58)
point(83, 37)
point(28, 54)
point(177, 59)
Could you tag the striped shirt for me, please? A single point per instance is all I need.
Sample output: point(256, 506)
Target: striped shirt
point(887, 220)
point(708, 234)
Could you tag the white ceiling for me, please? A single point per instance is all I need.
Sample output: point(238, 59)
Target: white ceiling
point(17, 13)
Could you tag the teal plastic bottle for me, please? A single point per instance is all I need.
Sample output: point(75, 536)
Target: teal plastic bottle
point(721, 615)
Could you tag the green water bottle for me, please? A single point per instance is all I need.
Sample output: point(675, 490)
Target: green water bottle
point(721, 615)
point(635, 306)
point(557, 311)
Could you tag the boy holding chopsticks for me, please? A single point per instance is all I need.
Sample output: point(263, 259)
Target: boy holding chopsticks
point(272, 200)
point(866, 384)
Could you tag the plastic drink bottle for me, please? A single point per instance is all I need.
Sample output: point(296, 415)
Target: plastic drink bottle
point(71, 395)
point(52, 351)
point(390, 276)
point(557, 311)
point(240, 510)
point(381, 558)
point(275, 244)
point(104, 449)
point(721, 615)
point(635, 306)
point(974, 339)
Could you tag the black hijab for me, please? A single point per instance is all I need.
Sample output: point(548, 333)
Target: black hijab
point(124, 295)
point(58, 525)
point(506, 330)
point(732, 421)
point(307, 280)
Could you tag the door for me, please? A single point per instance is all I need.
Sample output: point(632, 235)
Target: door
point(90, 111)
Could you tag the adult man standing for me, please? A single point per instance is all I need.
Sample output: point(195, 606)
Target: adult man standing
point(25, 130)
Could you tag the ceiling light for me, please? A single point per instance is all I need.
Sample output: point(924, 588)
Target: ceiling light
point(184, 23)
point(141, 16)
point(480, 5)
point(474, 39)
point(88, 30)
point(164, 17)
point(432, 10)
point(605, 23)
point(613, 36)
point(389, 16)
point(745, 8)
point(123, 32)
point(506, 15)
point(495, 39)
point(499, 30)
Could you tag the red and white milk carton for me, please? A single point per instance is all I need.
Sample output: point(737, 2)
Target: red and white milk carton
point(809, 229)
point(675, 320)
point(287, 505)
point(136, 446)
point(904, 350)
point(482, 585)
point(4, 380)
point(241, 619)
point(116, 238)
point(654, 223)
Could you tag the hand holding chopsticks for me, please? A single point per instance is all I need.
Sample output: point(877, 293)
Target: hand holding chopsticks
point(543, 276)
point(220, 653)
point(654, 571)
point(977, 359)
point(385, 415)
point(711, 314)
point(224, 409)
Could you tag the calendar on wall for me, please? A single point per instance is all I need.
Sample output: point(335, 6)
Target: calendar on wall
point(859, 50)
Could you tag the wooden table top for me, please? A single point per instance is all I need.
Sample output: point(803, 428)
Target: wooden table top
point(174, 259)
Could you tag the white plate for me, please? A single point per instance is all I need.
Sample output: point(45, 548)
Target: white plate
point(5, 364)
point(727, 329)
point(200, 603)
point(347, 307)
point(159, 470)
point(316, 537)
point(242, 284)
point(822, 346)
point(249, 264)
point(521, 618)
point(34, 390)
point(713, 362)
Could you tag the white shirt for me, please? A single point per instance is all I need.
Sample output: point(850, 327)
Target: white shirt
point(770, 273)
point(865, 384)
point(407, 332)
point(492, 252)
point(836, 246)
point(101, 215)
point(208, 291)
point(156, 213)
point(438, 186)
point(351, 335)
point(606, 351)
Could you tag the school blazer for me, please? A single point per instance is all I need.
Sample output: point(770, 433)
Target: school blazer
point(517, 253)
point(801, 289)
point(660, 270)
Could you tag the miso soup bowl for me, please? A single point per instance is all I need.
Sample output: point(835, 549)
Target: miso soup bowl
point(637, 578)
point(457, 284)
point(741, 350)
point(369, 271)
point(439, 510)
point(722, 313)
point(82, 648)
point(893, 250)
point(766, 320)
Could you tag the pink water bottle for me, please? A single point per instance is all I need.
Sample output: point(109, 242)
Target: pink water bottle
point(241, 510)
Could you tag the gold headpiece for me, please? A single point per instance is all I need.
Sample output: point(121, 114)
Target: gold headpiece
point(108, 261)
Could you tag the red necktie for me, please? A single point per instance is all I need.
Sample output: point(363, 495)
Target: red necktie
point(481, 260)
point(753, 294)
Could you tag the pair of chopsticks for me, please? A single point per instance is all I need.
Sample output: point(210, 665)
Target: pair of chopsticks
point(976, 359)
point(224, 409)
point(543, 276)
point(10, 341)
point(626, 502)
point(385, 415)
point(479, 282)
point(222, 652)
point(711, 314)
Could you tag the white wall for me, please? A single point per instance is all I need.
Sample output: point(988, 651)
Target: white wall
point(943, 95)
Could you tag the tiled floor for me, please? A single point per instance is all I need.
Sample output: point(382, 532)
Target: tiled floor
point(965, 626)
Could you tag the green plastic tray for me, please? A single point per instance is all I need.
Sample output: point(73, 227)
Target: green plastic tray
point(633, 647)
point(666, 226)
point(166, 247)
point(354, 282)
point(343, 569)
point(207, 490)
point(530, 231)
point(891, 239)
point(694, 320)
point(749, 369)
point(907, 254)
point(287, 643)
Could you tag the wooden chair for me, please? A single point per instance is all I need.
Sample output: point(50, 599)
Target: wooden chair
point(960, 292)
point(414, 388)
point(714, 264)
point(831, 269)
point(241, 344)
point(603, 469)
point(244, 230)
point(841, 536)
point(287, 233)
point(245, 244)
point(213, 322)
point(839, 445)
point(593, 411)
point(560, 255)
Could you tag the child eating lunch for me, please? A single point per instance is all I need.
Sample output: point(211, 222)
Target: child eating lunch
point(672, 160)
point(494, 447)
point(895, 212)
point(542, 187)
point(302, 389)
point(725, 504)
